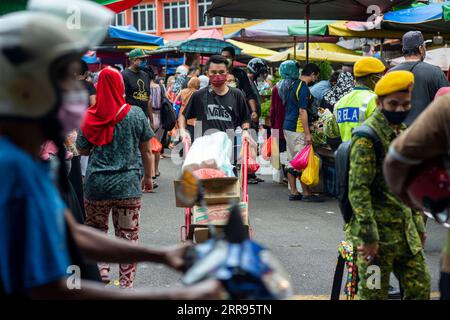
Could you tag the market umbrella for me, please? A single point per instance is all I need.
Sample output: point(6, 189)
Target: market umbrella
point(7, 6)
point(299, 9)
point(205, 46)
point(118, 5)
point(253, 51)
point(346, 29)
point(207, 33)
point(318, 52)
point(275, 33)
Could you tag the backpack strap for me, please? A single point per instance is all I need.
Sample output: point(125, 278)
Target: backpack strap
point(163, 92)
point(367, 132)
point(297, 92)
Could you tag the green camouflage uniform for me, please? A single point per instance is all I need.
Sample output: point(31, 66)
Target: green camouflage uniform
point(380, 217)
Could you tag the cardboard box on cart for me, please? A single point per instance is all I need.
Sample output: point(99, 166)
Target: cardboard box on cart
point(217, 191)
point(218, 194)
point(218, 216)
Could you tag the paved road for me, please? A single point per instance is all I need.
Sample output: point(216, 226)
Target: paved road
point(304, 236)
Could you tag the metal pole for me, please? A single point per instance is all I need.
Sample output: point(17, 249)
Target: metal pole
point(307, 31)
point(295, 48)
point(167, 63)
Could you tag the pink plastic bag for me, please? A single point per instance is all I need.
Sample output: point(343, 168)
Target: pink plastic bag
point(300, 161)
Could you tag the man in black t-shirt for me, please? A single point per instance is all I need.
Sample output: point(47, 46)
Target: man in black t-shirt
point(428, 79)
point(217, 107)
point(137, 82)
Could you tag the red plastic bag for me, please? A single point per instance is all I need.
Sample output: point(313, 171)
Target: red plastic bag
point(300, 161)
point(253, 166)
point(156, 145)
point(208, 173)
point(266, 150)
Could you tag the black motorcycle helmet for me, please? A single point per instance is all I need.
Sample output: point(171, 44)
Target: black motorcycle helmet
point(257, 67)
point(429, 189)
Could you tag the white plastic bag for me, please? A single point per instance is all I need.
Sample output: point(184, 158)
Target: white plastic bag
point(211, 151)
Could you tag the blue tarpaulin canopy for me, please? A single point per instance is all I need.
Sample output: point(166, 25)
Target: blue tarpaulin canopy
point(128, 35)
point(169, 62)
point(431, 18)
point(415, 15)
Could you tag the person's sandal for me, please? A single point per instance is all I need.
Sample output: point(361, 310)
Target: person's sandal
point(295, 197)
point(312, 198)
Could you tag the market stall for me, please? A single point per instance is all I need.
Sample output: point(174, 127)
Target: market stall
point(301, 9)
point(122, 39)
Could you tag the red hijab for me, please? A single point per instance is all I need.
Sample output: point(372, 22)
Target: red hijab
point(110, 108)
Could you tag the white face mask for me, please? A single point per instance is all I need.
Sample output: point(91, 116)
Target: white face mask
point(73, 106)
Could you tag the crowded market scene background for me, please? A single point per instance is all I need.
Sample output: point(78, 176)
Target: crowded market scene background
point(329, 130)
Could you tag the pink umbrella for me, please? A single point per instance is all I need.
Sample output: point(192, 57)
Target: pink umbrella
point(207, 33)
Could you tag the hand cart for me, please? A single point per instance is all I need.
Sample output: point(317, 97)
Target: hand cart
point(185, 230)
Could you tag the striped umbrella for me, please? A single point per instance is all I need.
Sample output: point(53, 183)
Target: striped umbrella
point(118, 5)
point(7, 6)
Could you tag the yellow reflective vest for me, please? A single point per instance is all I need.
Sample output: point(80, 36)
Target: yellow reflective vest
point(353, 109)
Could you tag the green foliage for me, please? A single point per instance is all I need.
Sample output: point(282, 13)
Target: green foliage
point(276, 77)
point(326, 69)
point(265, 109)
point(319, 139)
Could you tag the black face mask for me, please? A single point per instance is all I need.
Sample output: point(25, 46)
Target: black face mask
point(395, 117)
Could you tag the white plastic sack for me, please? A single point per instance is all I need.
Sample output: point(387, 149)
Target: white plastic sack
point(277, 176)
point(211, 151)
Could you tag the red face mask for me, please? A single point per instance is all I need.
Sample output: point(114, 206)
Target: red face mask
point(217, 80)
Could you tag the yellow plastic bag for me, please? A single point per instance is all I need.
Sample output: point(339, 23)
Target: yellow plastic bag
point(310, 176)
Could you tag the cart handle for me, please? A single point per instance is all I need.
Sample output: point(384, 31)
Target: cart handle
point(244, 166)
point(186, 147)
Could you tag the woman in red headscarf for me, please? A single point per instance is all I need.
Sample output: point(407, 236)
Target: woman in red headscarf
point(112, 134)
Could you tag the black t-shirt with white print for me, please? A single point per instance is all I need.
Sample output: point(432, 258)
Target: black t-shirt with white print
point(222, 113)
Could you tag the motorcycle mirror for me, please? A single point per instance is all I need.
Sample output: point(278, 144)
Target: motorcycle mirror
point(188, 190)
point(235, 231)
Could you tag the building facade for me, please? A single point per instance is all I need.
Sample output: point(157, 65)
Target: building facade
point(171, 19)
